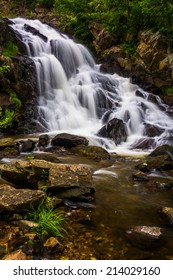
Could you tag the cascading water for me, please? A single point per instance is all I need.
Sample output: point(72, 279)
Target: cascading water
point(75, 97)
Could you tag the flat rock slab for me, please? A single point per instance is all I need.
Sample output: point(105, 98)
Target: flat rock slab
point(36, 174)
point(18, 200)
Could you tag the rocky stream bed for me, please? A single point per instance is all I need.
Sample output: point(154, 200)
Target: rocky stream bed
point(116, 207)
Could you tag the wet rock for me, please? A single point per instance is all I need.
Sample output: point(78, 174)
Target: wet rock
point(16, 255)
point(9, 152)
point(24, 225)
point(144, 237)
point(140, 176)
point(151, 130)
point(14, 200)
point(168, 212)
point(68, 140)
point(7, 143)
point(162, 162)
point(27, 146)
point(162, 150)
point(53, 245)
point(43, 140)
point(114, 129)
point(34, 31)
point(143, 143)
point(93, 152)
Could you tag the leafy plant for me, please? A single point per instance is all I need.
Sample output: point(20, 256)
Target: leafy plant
point(4, 69)
point(6, 117)
point(49, 221)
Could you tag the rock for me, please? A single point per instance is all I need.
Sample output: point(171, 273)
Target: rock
point(68, 140)
point(56, 176)
point(43, 140)
point(152, 49)
point(7, 143)
point(53, 245)
point(13, 200)
point(102, 38)
point(151, 130)
point(162, 162)
point(27, 146)
point(16, 255)
point(144, 237)
point(140, 176)
point(93, 152)
point(143, 143)
point(161, 150)
point(114, 129)
point(168, 212)
point(9, 152)
point(24, 225)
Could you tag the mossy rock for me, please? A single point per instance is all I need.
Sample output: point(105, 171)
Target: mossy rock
point(93, 152)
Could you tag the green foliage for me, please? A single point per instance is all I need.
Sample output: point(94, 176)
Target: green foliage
point(49, 222)
point(6, 117)
point(15, 100)
point(4, 69)
point(10, 49)
point(119, 17)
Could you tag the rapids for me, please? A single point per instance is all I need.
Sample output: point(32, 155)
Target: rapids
point(75, 97)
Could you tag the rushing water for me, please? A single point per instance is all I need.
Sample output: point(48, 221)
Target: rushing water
point(74, 96)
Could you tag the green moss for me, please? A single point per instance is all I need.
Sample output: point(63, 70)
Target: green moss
point(10, 49)
point(15, 100)
point(168, 90)
point(6, 117)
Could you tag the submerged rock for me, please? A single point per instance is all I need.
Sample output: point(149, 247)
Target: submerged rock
point(144, 237)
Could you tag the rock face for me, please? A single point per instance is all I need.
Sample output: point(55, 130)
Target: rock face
point(13, 200)
point(114, 129)
point(18, 82)
point(62, 178)
point(152, 68)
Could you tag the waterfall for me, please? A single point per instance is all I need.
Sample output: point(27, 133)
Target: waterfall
point(75, 97)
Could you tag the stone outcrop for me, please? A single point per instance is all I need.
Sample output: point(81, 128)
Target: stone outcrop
point(18, 82)
point(151, 68)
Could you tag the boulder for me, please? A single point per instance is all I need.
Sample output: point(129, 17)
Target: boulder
point(94, 152)
point(68, 140)
point(14, 200)
point(144, 237)
point(162, 150)
point(115, 130)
